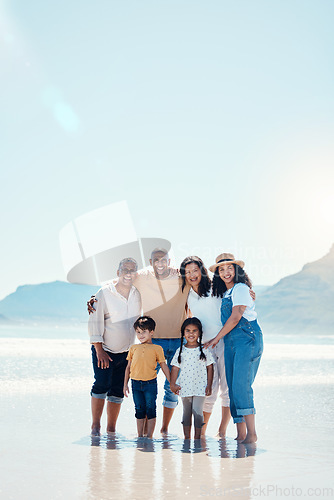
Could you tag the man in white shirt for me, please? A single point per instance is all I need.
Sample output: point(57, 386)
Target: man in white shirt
point(111, 335)
point(163, 300)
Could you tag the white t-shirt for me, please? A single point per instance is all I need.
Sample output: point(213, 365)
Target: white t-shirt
point(241, 297)
point(192, 377)
point(207, 310)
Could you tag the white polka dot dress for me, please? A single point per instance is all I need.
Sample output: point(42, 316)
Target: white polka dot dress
point(192, 376)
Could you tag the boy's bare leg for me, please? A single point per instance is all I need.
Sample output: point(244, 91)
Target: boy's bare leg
point(241, 431)
point(145, 427)
point(187, 431)
point(97, 409)
point(112, 415)
point(251, 436)
point(206, 416)
point(166, 418)
point(150, 427)
point(226, 417)
point(140, 426)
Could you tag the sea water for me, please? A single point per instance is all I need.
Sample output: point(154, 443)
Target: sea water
point(45, 380)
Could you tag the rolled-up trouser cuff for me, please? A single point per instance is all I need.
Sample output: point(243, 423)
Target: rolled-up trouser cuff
point(98, 396)
point(237, 420)
point(115, 399)
point(246, 411)
point(170, 404)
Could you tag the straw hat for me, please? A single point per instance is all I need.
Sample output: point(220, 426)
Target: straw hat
point(226, 258)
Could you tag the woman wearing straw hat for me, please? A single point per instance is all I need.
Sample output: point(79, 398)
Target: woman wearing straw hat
point(243, 340)
point(202, 304)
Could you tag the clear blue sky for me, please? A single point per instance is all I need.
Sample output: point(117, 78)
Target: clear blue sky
point(213, 119)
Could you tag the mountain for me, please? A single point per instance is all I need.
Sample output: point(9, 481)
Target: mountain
point(302, 302)
point(55, 302)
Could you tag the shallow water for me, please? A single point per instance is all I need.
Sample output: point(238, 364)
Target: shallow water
point(48, 453)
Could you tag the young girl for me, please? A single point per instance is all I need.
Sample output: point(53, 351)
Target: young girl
point(195, 379)
point(203, 305)
point(243, 340)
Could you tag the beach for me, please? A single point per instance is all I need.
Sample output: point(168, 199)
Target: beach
point(47, 450)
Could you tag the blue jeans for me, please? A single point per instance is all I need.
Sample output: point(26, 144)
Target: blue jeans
point(144, 393)
point(169, 346)
point(243, 350)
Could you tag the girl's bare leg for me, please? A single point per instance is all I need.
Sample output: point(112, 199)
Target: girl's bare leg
point(251, 436)
point(241, 431)
point(198, 431)
point(187, 431)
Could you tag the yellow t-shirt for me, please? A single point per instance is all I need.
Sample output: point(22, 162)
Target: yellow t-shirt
point(144, 359)
point(164, 301)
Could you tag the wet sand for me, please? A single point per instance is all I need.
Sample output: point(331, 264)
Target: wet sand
point(47, 452)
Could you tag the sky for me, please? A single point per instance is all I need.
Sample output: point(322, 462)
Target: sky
point(212, 119)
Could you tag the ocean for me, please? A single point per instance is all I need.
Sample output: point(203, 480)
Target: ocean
point(47, 451)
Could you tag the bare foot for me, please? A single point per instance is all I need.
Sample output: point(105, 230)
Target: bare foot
point(250, 438)
point(240, 437)
point(95, 431)
point(164, 430)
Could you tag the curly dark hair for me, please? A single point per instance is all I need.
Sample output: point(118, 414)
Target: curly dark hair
point(218, 285)
point(204, 287)
point(196, 322)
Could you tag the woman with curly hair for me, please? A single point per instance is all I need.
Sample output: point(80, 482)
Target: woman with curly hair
point(203, 305)
point(243, 340)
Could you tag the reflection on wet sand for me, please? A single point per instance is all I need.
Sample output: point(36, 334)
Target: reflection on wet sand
point(168, 467)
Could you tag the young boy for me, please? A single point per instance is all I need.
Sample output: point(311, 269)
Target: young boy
point(142, 361)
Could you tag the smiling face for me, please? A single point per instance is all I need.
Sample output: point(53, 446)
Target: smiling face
point(144, 336)
point(160, 263)
point(127, 273)
point(227, 274)
point(191, 334)
point(193, 275)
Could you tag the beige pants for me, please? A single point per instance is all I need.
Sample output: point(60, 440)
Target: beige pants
point(219, 379)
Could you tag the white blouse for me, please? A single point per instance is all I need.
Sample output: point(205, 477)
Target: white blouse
point(192, 377)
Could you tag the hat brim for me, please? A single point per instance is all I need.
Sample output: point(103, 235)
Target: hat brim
point(238, 262)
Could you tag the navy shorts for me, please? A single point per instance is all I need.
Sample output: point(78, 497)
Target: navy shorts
point(109, 382)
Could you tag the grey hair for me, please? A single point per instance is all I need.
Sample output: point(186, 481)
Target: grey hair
point(127, 259)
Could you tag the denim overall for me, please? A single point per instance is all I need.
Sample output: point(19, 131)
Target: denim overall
point(243, 350)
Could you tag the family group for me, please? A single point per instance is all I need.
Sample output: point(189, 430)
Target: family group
point(203, 334)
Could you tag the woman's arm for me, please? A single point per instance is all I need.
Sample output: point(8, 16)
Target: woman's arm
point(166, 371)
point(209, 371)
point(233, 320)
point(173, 376)
point(126, 379)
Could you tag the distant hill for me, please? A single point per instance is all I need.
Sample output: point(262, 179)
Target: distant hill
point(302, 302)
point(55, 302)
